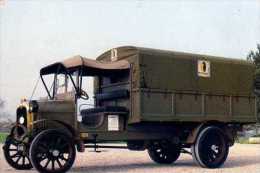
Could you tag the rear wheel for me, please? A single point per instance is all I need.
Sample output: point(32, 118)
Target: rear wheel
point(52, 151)
point(16, 154)
point(211, 148)
point(164, 152)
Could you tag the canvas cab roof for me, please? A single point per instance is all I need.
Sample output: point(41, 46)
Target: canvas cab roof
point(88, 66)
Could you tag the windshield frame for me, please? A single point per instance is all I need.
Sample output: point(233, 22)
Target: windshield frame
point(60, 70)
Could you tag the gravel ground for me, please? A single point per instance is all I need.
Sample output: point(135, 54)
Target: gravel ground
point(242, 159)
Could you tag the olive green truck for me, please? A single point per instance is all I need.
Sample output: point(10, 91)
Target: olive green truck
point(164, 101)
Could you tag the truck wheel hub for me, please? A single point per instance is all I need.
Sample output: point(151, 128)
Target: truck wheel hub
point(20, 148)
point(55, 153)
point(214, 148)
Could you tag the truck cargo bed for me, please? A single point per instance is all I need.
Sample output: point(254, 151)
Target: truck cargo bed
point(174, 86)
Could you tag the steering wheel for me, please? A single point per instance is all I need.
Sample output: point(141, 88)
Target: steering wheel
point(84, 95)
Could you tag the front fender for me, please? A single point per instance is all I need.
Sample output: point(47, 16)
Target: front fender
point(19, 132)
point(44, 124)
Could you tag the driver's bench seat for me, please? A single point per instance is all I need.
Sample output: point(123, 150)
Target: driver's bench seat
point(94, 116)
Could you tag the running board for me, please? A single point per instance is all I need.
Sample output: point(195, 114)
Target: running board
point(105, 146)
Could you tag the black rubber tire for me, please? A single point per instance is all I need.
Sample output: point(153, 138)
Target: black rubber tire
point(211, 148)
point(164, 153)
point(43, 147)
point(13, 156)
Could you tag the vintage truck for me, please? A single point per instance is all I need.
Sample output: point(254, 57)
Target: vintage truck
point(164, 101)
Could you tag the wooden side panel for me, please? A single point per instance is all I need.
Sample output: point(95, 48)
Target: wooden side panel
point(217, 105)
point(156, 104)
point(188, 104)
point(243, 107)
point(135, 111)
point(193, 107)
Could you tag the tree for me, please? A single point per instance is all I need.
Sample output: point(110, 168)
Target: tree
point(254, 56)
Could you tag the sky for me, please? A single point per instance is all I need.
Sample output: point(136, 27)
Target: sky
point(36, 33)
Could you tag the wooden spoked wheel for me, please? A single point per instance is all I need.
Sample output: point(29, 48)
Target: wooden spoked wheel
point(52, 151)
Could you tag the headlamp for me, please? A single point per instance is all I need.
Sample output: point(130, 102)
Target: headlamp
point(21, 120)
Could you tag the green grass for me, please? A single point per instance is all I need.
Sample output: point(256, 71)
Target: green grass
point(242, 140)
point(2, 137)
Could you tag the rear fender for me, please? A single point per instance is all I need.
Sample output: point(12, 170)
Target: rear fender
point(230, 132)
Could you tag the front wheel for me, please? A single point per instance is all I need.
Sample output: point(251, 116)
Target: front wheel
point(211, 148)
point(52, 151)
point(163, 152)
point(16, 154)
